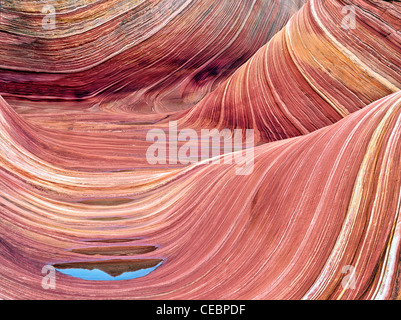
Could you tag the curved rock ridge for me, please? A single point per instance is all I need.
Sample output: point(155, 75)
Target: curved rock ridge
point(152, 56)
point(77, 190)
point(313, 205)
point(311, 74)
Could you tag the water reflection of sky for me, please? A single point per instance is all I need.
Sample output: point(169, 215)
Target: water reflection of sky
point(100, 275)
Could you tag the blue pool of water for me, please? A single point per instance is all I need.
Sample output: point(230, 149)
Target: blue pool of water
point(99, 275)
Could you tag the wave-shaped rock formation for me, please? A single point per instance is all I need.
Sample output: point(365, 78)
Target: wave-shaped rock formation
point(312, 74)
point(153, 55)
point(313, 205)
point(78, 194)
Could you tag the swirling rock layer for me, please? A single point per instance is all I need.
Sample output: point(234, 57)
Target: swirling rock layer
point(312, 74)
point(150, 55)
point(76, 189)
